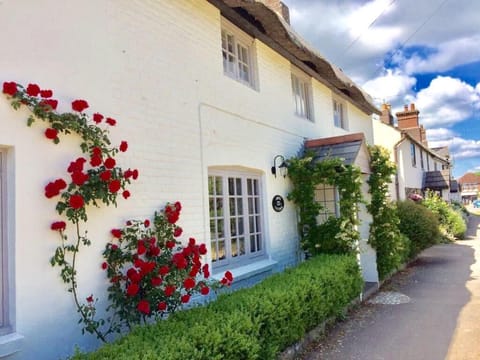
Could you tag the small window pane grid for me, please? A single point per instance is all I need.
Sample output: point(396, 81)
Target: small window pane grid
point(413, 155)
point(235, 218)
point(339, 115)
point(301, 98)
point(236, 58)
point(328, 197)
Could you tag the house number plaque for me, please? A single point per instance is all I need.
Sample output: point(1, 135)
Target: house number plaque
point(277, 203)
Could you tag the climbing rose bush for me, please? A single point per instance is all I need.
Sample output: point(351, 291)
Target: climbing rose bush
point(151, 273)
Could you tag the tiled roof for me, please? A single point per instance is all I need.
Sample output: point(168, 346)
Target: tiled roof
point(345, 147)
point(437, 180)
point(469, 178)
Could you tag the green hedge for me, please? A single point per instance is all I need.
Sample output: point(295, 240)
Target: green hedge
point(253, 323)
point(419, 224)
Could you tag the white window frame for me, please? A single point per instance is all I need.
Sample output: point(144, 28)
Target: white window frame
point(413, 154)
point(241, 53)
point(250, 215)
point(5, 321)
point(329, 198)
point(302, 94)
point(340, 113)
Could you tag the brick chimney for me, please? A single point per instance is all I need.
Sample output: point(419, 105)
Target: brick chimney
point(386, 117)
point(408, 122)
point(280, 8)
point(408, 118)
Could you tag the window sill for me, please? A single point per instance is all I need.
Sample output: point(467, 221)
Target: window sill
point(10, 343)
point(246, 271)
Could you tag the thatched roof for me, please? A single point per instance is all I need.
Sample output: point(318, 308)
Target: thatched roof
point(257, 19)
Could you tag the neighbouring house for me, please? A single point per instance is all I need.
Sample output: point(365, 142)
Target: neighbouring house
point(419, 168)
point(208, 95)
point(469, 187)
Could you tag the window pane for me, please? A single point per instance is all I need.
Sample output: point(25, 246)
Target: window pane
point(211, 185)
point(241, 245)
point(239, 186)
point(249, 187)
point(232, 206)
point(218, 185)
point(250, 205)
point(211, 207)
point(213, 251)
point(234, 248)
point(239, 206)
point(219, 207)
point(220, 228)
point(253, 244)
point(241, 230)
point(221, 250)
point(259, 242)
point(233, 227)
point(231, 186)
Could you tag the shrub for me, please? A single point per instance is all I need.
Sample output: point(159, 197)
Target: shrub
point(253, 323)
point(419, 224)
point(452, 224)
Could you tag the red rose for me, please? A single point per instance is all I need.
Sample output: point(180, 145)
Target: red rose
point(128, 174)
point(185, 298)
point(126, 194)
point(169, 290)
point(133, 275)
point(135, 174)
point(104, 265)
point(228, 276)
point(162, 306)
point(170, 244)
point(90, 299)
point(58, 225)
point(33, 89)
point(154, 251)
point(79, 178)
point(132, 289)
point(186, 251)
point(51, 133)
point(141, 249)
point(106, 175)
point(46, 94)
point(156, 281)
point(114, 186)
point(109, 163)
point(95, 160)
point(189, 283)
point(97, 118)
point(178, 206)
point(76, 201)
point(179, 260)
point(194, 271)
point(144, 307)
point(116, 233)
point(10, 88)
point(178, 231)
point(164, 270)
point(202, 249)
point(114, 247)
point(60, 184)
point(97, 151)
point(77, 165)
point(111, 121)
point(79, 105)
point(204, 290)
point(50, 104)
point(123, 146)
point(146, 223)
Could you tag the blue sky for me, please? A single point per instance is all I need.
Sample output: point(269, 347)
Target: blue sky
point(403, 51)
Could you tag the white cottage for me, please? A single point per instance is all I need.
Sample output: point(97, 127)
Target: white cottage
point(419, 167)
point(207, 94)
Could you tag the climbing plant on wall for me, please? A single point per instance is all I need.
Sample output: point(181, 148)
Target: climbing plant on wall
point(336, 234)
point(385, 237)
point(149, 271)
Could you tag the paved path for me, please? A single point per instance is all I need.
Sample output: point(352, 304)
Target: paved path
point(429, 311)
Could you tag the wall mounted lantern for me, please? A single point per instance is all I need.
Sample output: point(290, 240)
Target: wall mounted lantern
point(279, 166)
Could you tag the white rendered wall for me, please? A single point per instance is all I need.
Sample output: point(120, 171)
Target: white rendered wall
point(156, 67)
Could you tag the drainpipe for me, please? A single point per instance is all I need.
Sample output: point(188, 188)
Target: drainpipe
point(395, 155)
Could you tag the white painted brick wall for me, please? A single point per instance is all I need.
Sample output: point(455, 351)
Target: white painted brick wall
point(156, 67)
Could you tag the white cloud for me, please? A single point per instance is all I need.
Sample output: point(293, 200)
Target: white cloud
point(440, 134)
point(445, 57)
point(459, 148)
point(390, 87)
point(447, 101)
